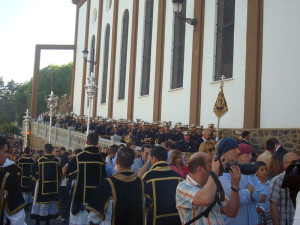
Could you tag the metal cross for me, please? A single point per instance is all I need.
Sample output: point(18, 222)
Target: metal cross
point(222, 81)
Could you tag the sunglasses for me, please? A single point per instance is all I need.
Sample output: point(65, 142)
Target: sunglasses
point(295, 161)
point(211, 149)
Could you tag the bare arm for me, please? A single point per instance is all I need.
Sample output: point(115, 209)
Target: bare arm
point(231, 209)
point(274, 213)
point(144, 168)
point(64, 170)
point(207, 193)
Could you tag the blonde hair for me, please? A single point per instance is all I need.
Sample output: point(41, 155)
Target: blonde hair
point(174, 155)
point(205, 146)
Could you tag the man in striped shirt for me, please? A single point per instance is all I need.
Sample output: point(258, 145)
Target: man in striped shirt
point(199, 189)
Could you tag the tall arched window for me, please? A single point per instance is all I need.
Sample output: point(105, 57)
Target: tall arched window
point(92, 51)
point(105, 64)
point(147, 48)
point(178, 49)
point(225, 39)
point(123, 55)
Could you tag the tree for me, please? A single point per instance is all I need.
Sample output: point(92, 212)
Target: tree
point(61, 84)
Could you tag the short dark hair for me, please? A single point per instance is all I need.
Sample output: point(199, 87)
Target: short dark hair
point(114, 147)
point(275, 140)
point(270, 145)
point(48, 148)
point(245, 133)
point(126, 157)
point(160, 153)
point(259, 164)
point(27, 150)
point(111, 151)
point(3, 141)
point(145, 146)
point(92, 139)
point(195, 162)
point(63, 149)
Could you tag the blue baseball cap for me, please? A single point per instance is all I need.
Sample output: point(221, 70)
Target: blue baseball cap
point(226, 144)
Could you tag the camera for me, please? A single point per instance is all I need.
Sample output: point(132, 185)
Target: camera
point(292, 181)
point(246, 169)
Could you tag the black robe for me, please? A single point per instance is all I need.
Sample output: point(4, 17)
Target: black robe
point(87, 169)
point(127, 192)
point(160, 187)
point(11, 197)
point(47, 173)
point(26, 163)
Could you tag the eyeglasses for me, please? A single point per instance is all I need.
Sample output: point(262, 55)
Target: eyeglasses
point(56, 151)
point(295, 161)
point(211, 149)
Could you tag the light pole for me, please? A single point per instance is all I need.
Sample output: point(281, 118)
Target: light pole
point(177, 8)
point(52, 103)
point(27, 119)
point(91, 88)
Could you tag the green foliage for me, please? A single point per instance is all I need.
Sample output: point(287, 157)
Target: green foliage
point(13, 96)
point(9, 128)
point(61, 84)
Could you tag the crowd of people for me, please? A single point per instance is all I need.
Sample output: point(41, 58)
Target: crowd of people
point(221, 181)
point(141, 132)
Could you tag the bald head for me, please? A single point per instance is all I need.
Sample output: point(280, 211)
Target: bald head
point(198, 159)
point(288, 158)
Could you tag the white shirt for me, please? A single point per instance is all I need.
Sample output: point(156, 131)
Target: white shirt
point(277, 148)
point(297, 212)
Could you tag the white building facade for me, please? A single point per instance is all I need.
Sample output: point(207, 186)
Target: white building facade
point(154, 66)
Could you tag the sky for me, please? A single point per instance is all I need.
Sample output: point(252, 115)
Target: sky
point(23, 25)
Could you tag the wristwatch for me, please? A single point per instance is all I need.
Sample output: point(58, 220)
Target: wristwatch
point(237, 189)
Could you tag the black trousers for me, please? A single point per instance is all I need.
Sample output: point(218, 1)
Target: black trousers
point(65, 200)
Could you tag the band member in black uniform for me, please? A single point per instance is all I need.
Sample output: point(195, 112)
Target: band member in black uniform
point(100, 129)
point(11, 200)
point(187, 145)
point(119, 200)
point(78, 124)
point(169, 136)
point(47, 173)
point(160, 186)
point(145, 136)
point(131, 134)
point(87, 169)
point(108, 129)
point(93, 125)
point(26, 163)
point(116, 131)
point(177, 134)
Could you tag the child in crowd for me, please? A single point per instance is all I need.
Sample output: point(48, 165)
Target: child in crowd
point(262, 183)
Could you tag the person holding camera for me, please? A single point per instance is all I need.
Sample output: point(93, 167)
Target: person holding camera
point(198, 198)
point(232, 152)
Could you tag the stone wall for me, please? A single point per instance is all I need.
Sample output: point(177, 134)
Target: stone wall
point(288, 138)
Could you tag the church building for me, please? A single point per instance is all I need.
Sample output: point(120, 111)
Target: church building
point(163, 60)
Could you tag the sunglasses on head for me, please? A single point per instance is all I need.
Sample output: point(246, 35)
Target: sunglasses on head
point(211, 149)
